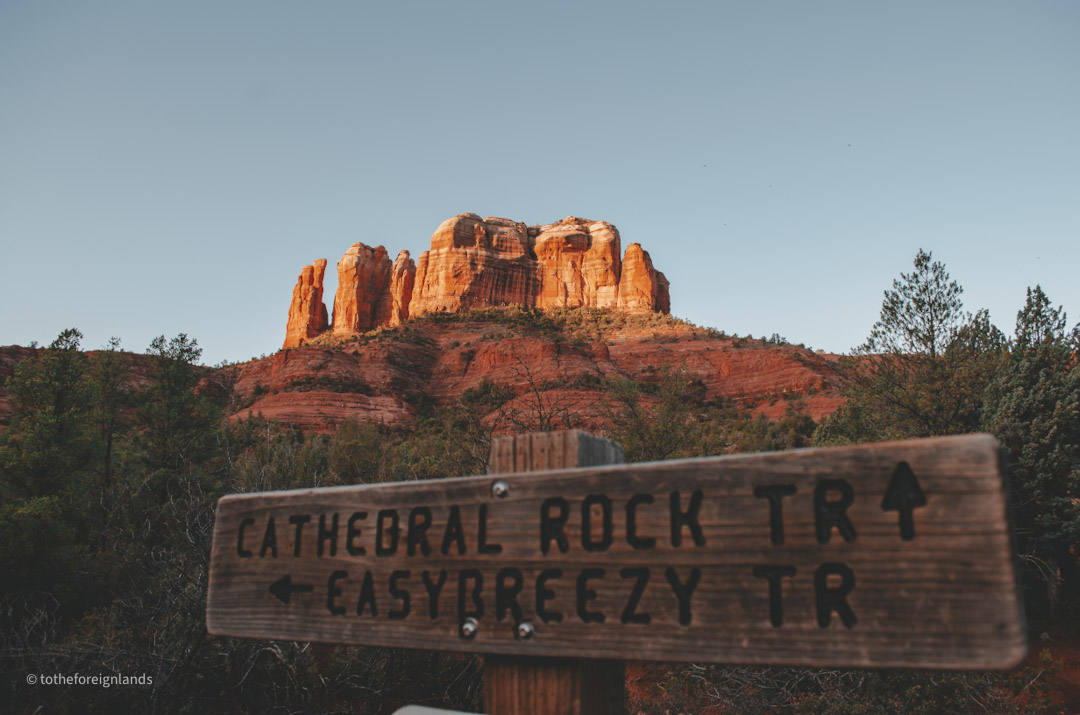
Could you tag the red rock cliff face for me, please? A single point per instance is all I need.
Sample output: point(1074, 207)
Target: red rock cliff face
point(577, 264)
point(393, 305)
point(477, 262)
point(363, 278)
point(307, 312)
point(642, 287)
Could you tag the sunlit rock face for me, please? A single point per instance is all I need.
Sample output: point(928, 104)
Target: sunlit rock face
point(363, 277)
point(642, 287)
point(477, 262)
point(393, 305)
point(307, 312)
point(577, 264)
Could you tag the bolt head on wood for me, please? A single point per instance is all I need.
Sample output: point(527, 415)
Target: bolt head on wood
point(500, 489)
point(469, 628)
point(524, 631)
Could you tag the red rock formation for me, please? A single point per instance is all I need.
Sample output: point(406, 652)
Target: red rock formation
point(642, 287)
point(602, 266)
point(363, 277)
point(307, 312)
point(475, 262)
point(495, 261)
point(560, 251)
point(578, 264)
point(393, 305)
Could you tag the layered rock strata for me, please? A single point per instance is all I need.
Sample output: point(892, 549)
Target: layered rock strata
point(578, 264)
point(474, 263)
point(477, 262)
point(318, 386)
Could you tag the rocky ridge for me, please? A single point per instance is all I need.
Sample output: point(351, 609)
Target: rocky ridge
point(386, 375)
point(478, 262)
point(378, 376)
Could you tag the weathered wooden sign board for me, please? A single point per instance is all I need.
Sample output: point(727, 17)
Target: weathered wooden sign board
point(893, 554)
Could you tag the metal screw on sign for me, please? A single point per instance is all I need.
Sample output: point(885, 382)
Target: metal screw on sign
point(469, 628)
point(524, 631)
point(500, 489)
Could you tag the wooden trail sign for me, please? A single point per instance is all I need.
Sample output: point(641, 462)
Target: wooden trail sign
point(891, 554)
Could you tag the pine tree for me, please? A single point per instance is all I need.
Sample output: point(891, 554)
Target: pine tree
point(1034, 409)
point(51, 439)
point(177, 422)
point(45, 476)
point(924, 368)
point(109, 372)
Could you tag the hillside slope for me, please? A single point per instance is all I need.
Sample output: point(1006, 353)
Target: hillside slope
point(557, 358)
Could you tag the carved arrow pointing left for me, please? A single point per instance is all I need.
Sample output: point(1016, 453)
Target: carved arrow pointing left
point(283, 588)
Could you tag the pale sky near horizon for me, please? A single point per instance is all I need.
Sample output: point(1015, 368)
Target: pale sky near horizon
point(169, 167)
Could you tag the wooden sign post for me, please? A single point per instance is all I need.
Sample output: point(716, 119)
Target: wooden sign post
point(885, 555)
point(526, 684)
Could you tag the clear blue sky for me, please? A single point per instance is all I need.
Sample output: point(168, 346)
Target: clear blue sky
point(169, 166)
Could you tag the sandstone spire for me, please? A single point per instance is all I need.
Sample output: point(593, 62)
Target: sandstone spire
point(642, 287)
point(393, 305)
point(307, 312)
point(363, 276)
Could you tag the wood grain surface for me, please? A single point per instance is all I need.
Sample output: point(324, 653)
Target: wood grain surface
point(543, 685)
point(891, 554)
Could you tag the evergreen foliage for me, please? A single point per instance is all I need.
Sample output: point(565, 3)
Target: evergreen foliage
point(1033, 406)
point(924, 369)
point(45, 459)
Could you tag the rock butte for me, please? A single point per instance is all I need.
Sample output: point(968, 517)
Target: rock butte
point(475, 262)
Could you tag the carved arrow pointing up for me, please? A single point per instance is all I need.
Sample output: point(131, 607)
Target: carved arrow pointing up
point(283, 588)
point(905, 496)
